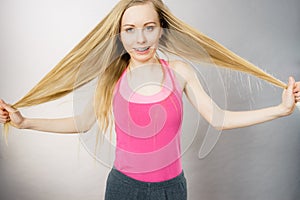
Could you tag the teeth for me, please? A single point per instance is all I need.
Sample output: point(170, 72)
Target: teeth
point(142, 49)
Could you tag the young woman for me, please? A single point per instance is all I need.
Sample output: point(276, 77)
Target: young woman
point(144, 94)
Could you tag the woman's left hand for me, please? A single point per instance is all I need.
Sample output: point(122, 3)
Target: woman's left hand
point(297, 92)
point(290, 97)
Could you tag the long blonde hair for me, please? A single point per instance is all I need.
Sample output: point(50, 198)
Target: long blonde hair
point(102, 55)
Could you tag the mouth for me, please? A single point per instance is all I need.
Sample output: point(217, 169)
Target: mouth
point(142, 49)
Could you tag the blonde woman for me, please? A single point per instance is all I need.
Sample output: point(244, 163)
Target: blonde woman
point(147, 117)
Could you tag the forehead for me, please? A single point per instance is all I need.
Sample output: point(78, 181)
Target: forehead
point(140, 14)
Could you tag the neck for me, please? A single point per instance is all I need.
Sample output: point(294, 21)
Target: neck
point(134, 63)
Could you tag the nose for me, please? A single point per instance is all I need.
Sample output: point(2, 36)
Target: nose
point(140, 36)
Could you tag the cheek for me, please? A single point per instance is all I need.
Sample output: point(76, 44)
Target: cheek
point(127, 40)
point(153, 37)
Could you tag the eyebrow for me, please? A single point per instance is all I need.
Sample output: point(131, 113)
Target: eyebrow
point(152, 22)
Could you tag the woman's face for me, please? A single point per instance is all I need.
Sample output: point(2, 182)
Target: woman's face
point(140, 33)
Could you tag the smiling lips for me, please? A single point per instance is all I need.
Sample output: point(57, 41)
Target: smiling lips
point(142, 50)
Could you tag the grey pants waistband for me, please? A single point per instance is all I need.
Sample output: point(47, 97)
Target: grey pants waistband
point(133, 182)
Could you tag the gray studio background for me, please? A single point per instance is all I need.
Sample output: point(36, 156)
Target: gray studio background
point(261, 162)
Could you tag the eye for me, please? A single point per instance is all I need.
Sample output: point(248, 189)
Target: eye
point(149, 28)
point(129, 30)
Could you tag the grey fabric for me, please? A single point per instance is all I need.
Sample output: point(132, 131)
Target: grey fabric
point(121, 187)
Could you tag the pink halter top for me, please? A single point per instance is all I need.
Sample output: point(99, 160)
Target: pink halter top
point(148, 130)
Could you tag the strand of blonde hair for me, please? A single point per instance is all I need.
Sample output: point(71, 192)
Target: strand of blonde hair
point(102, 56)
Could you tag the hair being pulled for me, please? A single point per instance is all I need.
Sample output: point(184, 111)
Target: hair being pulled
point(102, 56)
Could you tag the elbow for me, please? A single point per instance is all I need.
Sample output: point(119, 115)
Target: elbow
point(83, 125)
point(220, 121)
point(218, 124)
point(84, 129)
point(219, 127)
point(222, 128)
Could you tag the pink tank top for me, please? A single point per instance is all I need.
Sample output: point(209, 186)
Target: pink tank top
point(148, 130)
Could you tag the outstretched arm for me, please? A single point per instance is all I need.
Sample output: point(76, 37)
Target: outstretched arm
point(224, 119)
point(247, 118)
point(62, 125)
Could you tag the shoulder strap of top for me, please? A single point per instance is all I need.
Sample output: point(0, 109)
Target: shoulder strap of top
point(175, 82)
point(166, 65)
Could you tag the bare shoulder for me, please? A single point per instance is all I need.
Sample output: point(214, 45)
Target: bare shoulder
point(183, 69)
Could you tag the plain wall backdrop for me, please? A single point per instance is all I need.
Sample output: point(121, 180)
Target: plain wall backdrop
point(260, 162)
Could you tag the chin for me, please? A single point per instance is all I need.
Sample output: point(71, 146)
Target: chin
point(143, 58)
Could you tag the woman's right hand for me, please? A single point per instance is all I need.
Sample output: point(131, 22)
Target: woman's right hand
point(9, 114)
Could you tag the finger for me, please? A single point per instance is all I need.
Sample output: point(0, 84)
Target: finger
point(292, 80)
point(297, 87)
point(8, 108)
point(2, 104)
point(4, 120)
point(3, 112)
point(291, 85)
